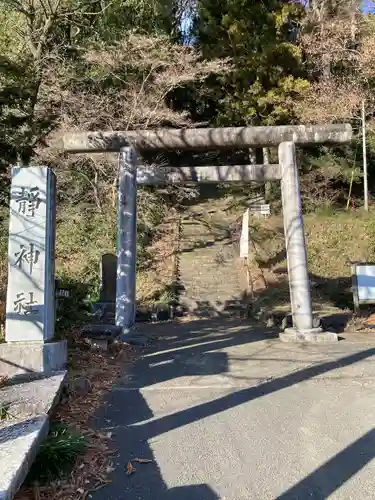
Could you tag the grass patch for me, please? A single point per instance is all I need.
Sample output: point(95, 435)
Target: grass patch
point(334, 240)
point(5, 411)
point(57, 455)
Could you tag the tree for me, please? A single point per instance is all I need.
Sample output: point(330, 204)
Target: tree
point(338, 43)
point(42, 35)
point(260, 39)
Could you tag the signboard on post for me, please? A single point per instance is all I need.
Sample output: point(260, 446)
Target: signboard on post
point(363, 276)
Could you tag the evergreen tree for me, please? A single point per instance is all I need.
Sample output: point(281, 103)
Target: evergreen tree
point(260, 38)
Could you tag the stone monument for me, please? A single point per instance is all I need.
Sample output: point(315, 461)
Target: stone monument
point(104, 309)
point(30, 309)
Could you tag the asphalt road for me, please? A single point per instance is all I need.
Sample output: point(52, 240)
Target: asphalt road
point(228, 412)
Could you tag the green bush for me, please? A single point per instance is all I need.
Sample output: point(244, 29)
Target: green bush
point(57, 455)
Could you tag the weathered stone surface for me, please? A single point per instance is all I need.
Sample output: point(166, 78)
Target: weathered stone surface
point(32, 358)
point(32, 397)
point(138, 340)
point(19, 443)
point(316, 335)
point(205, 138)
point(206, 174)
point(101, 331)
point(104, 312)
point(81, 386)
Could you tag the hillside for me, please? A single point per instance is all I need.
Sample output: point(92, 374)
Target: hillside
point(213, 279)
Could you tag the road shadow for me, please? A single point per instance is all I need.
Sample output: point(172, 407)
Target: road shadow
point(18, 430)
point(190, 349)
point(328, 478)
point(326, 294)
point(186, 349)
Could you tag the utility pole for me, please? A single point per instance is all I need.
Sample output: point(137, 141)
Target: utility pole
point(365, 183)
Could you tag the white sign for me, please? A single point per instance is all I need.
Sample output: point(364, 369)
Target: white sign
point(365, 282)
point(244, 241)
point(265, 210)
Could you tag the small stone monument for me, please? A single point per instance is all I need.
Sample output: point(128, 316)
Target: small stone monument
point(104, 309)
point(108, 272)
point(30, 310)
point(103, 330)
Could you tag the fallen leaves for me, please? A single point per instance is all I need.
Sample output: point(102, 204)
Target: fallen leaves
point(109, 469)
point(96, 488)
point(101, 369)
point(3, 380)
point(130, 469)
point(142, 460)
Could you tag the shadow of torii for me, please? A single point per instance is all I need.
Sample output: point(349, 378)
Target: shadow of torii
point(135, 426)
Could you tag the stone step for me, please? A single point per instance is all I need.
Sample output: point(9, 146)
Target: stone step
point(209, 266)
point(27, 405)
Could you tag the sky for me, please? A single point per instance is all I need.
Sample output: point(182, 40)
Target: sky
point(368, 6)
point(186, 22)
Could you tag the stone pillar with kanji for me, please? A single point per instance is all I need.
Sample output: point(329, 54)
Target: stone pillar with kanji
point(30, 311)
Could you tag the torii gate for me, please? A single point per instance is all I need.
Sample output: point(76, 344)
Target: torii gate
point(130, 144)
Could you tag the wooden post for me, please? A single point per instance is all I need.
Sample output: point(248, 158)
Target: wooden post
point(244, 254)
point(365, 178)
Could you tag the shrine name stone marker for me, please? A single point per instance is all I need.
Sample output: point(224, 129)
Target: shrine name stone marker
point(30, 311)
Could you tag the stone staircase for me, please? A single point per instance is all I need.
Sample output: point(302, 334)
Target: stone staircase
point(211, 275)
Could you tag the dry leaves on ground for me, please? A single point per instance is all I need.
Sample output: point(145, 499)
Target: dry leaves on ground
point(143, 460)
point(91, 471)
point(130, 469)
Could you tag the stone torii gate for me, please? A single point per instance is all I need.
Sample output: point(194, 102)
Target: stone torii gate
point(30, 344)
point(131, 143)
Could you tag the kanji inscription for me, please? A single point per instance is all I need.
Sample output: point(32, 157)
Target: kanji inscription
point(28, 201)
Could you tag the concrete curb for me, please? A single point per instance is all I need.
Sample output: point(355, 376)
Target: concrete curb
point(22, 434)
point(316, 335)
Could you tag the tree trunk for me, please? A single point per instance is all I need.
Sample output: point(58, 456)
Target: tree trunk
point(252, 156)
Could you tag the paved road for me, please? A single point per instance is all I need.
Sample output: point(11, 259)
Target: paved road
point(228, 412)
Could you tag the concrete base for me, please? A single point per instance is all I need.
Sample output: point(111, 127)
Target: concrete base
point(127, 332)
point(314, 335)
point(29, 358)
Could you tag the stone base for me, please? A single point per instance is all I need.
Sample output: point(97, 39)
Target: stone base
point(100, 336)
point(130, 336)
point(99, 344)
point(32, 358)
point(314, 335)
point(103, 331)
